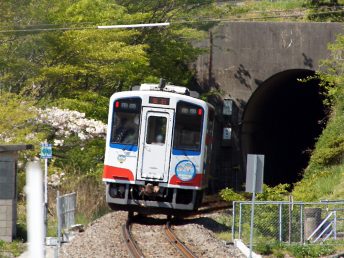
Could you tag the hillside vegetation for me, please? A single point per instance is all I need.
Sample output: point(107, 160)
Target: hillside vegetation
point(324, 176)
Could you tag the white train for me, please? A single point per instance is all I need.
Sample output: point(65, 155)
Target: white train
point(158, 148)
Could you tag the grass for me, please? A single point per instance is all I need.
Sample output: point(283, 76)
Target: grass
point(283, 10)
point(90, 199)
point(326, 184)
point(324, 176)
point(18, 246)
point(11, 249)
point(275, 5)
point(276, 249)
point(225, 220)
point(91, 205)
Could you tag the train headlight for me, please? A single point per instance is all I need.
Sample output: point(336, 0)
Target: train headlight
point(185, 170)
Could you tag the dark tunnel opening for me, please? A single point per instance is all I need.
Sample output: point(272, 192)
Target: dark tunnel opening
point(282, 120)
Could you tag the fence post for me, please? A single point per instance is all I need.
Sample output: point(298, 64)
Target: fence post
point(59, 222)
point(335, 225)
point(301, 224)
point(280, 222)
point(233, 221)
point(240, 219)
point(290, 219)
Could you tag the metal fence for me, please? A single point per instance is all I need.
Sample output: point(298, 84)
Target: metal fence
point(293, 222)
point(65, 207)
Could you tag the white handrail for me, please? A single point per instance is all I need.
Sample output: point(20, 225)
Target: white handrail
point(333, 223)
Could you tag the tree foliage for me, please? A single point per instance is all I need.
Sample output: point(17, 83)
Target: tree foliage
point(330, 146)
point(55, 48)
point(17, 120)
point(53, 53)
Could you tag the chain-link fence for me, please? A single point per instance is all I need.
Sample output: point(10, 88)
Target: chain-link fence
point(293, 222)
point(66, 207)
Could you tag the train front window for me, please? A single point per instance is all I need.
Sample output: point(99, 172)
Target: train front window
point(156, 130)
point(188, 127)
point(126, 121)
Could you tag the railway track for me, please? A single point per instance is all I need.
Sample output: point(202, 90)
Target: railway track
point(136, 252)
point(183, 249)
point(130, 243)
point(180, 248)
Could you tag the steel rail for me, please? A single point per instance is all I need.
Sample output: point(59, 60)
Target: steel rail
point(186, 252)
point(131, 245)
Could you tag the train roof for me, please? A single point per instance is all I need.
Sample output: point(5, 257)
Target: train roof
point(171, 91)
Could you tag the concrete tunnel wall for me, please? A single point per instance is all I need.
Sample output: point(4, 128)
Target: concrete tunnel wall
point(256, 64)
point(282, 120)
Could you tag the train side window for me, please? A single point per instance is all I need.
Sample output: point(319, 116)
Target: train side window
point(188, 127)
point(126, 121)
point(156, 130)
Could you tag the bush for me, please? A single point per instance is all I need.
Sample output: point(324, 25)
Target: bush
point(89, 188)
point(270, 247)
point(80, 156)
point(14, 248)
point(325, 184)
point(310, 250)
point(229, 195)
point(264, 248)
point(276, 193)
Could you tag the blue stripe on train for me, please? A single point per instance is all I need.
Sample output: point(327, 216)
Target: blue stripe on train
point(185, 152)
point(127, 147)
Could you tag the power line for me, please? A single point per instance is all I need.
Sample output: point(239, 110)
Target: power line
point(122, 26)
point(134, 26)
point(167, 23)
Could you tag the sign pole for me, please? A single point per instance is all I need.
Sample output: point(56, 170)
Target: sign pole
point(46, 153)
point(45, 181)
point(254, 184)
point(253, 200)
point(46, 195)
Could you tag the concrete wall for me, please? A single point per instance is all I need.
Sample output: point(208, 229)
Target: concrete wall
point(242, 55)
point(7, 219)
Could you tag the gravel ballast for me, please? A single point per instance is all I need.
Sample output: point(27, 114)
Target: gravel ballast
point(103, 238)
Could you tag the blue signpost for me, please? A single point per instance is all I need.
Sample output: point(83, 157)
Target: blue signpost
point(46, 153)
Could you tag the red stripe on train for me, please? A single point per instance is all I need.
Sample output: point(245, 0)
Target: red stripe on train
point(117, 173)
point(196, 181)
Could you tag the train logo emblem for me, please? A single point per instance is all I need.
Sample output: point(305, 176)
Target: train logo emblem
point(121, 158)
point(185, 170)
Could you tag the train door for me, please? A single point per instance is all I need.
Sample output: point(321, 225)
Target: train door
point(155, 144)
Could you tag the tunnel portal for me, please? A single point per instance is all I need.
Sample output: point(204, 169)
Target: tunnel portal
point(282, 120)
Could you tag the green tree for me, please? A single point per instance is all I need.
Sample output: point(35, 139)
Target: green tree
point(17, 120)
point(75, 56)
point(170, 50)
point(332, 71)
